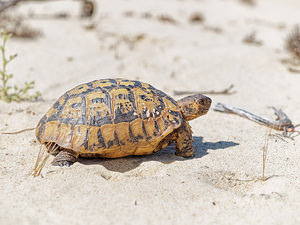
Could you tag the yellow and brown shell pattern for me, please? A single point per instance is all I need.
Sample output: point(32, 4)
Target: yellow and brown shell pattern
point(110, 118)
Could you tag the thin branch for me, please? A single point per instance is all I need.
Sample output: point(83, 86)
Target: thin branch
point(18, 132)
point(265, 152)
point(281, 123)
point(6, 4)
point(88, 6)
point(212, 92)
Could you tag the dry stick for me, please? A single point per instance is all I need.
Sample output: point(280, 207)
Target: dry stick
point(38, 164)
point(212, 92)
point(265, 151)
point(38, 158)
point(41, 166)
point(281, 123)
point(20, 131)
point(42, 151)
point(6, 4)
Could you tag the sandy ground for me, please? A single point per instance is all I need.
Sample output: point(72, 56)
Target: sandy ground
point(133, 39)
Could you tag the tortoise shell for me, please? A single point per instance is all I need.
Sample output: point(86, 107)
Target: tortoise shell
point(110, 118)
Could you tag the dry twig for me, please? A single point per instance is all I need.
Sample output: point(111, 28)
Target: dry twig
point(212, 92)
point(88, 6)
point(265, 151)
point(6, 4)
point(18, 132)
point(282, 122)
point(46, 149)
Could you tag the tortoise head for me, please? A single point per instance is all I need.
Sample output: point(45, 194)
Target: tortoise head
point(194, 106)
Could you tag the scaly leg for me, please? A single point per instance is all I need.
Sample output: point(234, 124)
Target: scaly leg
point(65, 157)
point(184, 141)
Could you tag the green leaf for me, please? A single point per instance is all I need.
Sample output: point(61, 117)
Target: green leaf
point(18, 94)
point(12, 57)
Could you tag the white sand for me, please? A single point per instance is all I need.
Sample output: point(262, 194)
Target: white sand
point(221, 185)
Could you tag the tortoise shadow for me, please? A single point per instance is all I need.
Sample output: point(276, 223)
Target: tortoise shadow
point(165, 156)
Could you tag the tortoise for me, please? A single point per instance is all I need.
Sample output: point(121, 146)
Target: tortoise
point(112, 118)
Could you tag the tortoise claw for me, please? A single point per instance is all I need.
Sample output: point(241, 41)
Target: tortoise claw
point(64, 158)
point(62, 163)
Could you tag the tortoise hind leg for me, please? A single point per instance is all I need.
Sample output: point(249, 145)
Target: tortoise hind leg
point(65, 157)
point(184, 141)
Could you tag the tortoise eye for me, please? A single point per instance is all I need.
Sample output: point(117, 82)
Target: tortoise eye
point(202, 102)
point(189, 109)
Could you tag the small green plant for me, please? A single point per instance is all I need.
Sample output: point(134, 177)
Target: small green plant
point(18, 94)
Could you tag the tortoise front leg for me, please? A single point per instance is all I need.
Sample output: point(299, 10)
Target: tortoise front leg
point(65, 157)
point(184, 141)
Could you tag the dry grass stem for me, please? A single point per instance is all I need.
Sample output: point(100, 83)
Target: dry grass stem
point(41, 159)
point(226, 91)
point(20, 131)
point(282, 121)
point(87, 10)
point(49, 148)
point(6, 4)
point(265, 151)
